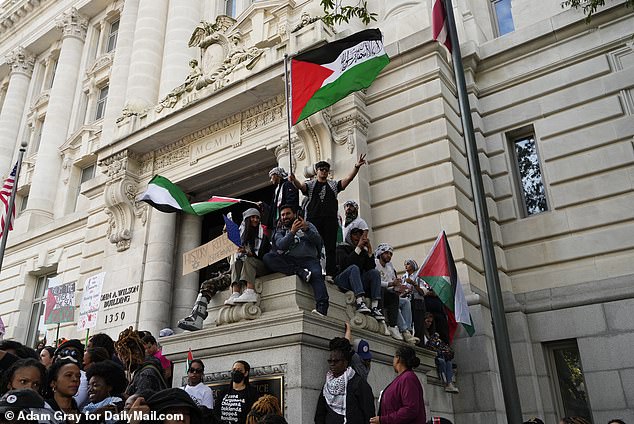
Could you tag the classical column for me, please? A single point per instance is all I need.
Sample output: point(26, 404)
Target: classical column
point(120, 69)
point(185, 286)
point(55, 129)
point(21, 63)
point(147, 56)
point(156, 294)
point(182, 18)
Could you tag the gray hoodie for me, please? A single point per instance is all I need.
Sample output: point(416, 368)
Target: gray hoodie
point(304, 244)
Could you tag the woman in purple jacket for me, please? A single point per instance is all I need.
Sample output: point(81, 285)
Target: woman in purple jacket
point(402, 401)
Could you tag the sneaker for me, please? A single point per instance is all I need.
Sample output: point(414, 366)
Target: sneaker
point(304, 275)
point(395, 333)
point(362, 308)
point(316, 312)
point(249, 296)
point(409, 338)
point(329, 279)
point(232, 299)
point(376, 314)
point(450, 388)
point(385, 328)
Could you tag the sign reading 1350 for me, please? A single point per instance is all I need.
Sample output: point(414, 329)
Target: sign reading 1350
point(114, 317)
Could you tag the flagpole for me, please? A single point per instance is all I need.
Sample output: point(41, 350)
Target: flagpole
point(287, 82)
point(5, 233)
point(500, 330)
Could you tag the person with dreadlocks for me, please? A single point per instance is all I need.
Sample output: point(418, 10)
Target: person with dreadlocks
point(247, 263)
point(145, 371)
point(266, 405)
point(346, 397)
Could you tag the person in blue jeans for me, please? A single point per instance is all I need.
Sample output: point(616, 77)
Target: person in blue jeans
point(295, 250)
point(356, 269)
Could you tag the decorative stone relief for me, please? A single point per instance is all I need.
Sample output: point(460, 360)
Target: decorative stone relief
point(306, 20)
point(73, 24)
point(358, 320)
point(217, 64)
point(21, 61)
point(241, 311)
point(102, 62)
point(299, 151)
point(119, 198)
point(263, 114)
point(346, 129)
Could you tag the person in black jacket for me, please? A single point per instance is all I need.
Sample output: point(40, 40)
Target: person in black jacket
point(356, 269)
point(285, 194)
point(233, 405)
point(345, 397)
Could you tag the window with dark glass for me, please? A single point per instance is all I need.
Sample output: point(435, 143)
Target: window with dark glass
point(503, 16)
point(529, 175)
point(24, 203)
point(566, 370)
point(51, 74)
point(101, 103)
point(87, 173)
point(112, 36)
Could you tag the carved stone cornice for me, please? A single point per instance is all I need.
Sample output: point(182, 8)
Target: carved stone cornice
point(102, 62)
point(263, 114)
point(21, 61)
point(346, 128)
point(16, 10)
point(73, 24)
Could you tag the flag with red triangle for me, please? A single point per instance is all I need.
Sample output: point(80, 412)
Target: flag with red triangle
point(439, 271)
point(190, 358)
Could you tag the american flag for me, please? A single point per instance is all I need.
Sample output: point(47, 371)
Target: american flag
point(5, 197)
point(439, 29)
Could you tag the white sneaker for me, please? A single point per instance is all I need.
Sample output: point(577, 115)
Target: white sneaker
point(450, 388)
point(385, 328)
point(232, 299)
point(395, 333)
point(407, 336)
point(249, 296)
point(328, 279)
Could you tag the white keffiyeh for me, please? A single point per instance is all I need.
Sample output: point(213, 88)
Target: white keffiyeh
point(335, 390)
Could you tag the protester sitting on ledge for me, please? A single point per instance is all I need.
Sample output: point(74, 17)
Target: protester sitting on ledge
point(356, 270)
point(444, 353)
point(247, 263)
point(295, 251)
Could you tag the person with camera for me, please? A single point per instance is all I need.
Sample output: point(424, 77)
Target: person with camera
point(295, 250)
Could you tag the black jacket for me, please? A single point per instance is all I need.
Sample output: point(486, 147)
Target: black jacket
point(347, 256)
point(290, 196)
point(359, 404)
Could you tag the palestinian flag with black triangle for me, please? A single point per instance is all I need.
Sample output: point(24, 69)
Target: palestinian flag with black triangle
point(323, 76)
point(439, 271)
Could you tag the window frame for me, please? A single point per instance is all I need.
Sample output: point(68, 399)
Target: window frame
point(513, 137)
point(102, 100)
point(113, 36)
point(38, 302)
point(553, 375)
point(496, 20)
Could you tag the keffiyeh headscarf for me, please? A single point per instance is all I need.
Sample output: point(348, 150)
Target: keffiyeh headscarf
point(278, 171)
point(243, 230)
point(411, 262)
point(382, 248)
point(335, 390)
point(359, 224)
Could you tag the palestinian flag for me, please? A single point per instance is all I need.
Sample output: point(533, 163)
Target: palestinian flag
point(439, 271)
point(190, 358)
point(166, 196)
point(323, 76)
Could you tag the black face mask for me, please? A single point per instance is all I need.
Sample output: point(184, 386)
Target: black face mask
point(237, 376)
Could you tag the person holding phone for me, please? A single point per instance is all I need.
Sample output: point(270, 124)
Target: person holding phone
point(296, 246)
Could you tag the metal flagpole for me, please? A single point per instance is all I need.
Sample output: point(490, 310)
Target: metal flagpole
point(500, 330)
point(287, 82)
point(5, 233)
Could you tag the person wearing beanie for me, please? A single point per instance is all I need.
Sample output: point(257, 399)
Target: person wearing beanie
point(285, 193)
point(247, 263)
point(322, 206)
point(402, 401)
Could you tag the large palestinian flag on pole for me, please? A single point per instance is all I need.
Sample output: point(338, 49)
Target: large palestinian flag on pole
point(166, 196)
point(439, 271)
point(323, 76)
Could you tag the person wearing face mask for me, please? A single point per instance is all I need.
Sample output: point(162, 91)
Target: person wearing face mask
point(234, 404)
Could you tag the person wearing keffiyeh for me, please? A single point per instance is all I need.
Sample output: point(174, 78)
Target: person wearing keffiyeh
point(247, 263)
point(285, 193)
point(346, 397)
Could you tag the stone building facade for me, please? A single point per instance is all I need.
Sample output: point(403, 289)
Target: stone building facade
point(109, 93)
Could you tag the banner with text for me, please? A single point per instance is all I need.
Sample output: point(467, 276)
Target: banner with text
point(90, 301)
point(207, 254)
point(60, 302)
